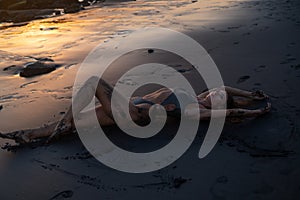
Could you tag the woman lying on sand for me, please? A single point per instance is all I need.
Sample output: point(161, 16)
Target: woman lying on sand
point(139, 107)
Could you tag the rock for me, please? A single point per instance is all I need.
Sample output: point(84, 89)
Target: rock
point(5, 4)
point(27, 10)
point(150, 50)
point(22, 16)
point(3, 16)
point(73, 8)
point(1, 107)
point(37, 68)
point(43, 4)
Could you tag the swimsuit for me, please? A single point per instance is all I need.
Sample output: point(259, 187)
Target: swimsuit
point(171, 99)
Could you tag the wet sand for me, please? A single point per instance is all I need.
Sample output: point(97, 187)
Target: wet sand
point(255, 44)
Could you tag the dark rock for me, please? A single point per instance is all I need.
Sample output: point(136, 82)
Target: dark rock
point(39, 4)
point(27, 15)
point(5, 4)
point(1, 107)
point(3, 16)
point(22, 11)
point(43, 4)
point(73, 8)
point(22, 16)
point(38, 68)
point(150, 50)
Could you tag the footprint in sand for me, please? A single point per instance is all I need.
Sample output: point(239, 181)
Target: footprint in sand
point(243, 79)
point(70, 45)
point(63, 195)
point(224, 31)
point(296, 67)
point(288, 59)
point(217, 189)
point(260, 68)
point(245, 34)
point(264, 189)
point(233, 27)
point(222, 179)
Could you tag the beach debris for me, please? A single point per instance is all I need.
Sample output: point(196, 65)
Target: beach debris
point(37, 68)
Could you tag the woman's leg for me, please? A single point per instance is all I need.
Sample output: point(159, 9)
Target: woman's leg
point(103, 92)
point(83, 97)
point(205, 114)
point(242, 102)
point(256, 95)
point(230, 91)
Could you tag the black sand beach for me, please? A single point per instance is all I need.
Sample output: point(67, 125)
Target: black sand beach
point(255, 45)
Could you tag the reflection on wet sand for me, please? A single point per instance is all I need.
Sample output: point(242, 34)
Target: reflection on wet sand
point(67, 40)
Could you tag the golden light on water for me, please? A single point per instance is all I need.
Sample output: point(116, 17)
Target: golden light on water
point(67, 39)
